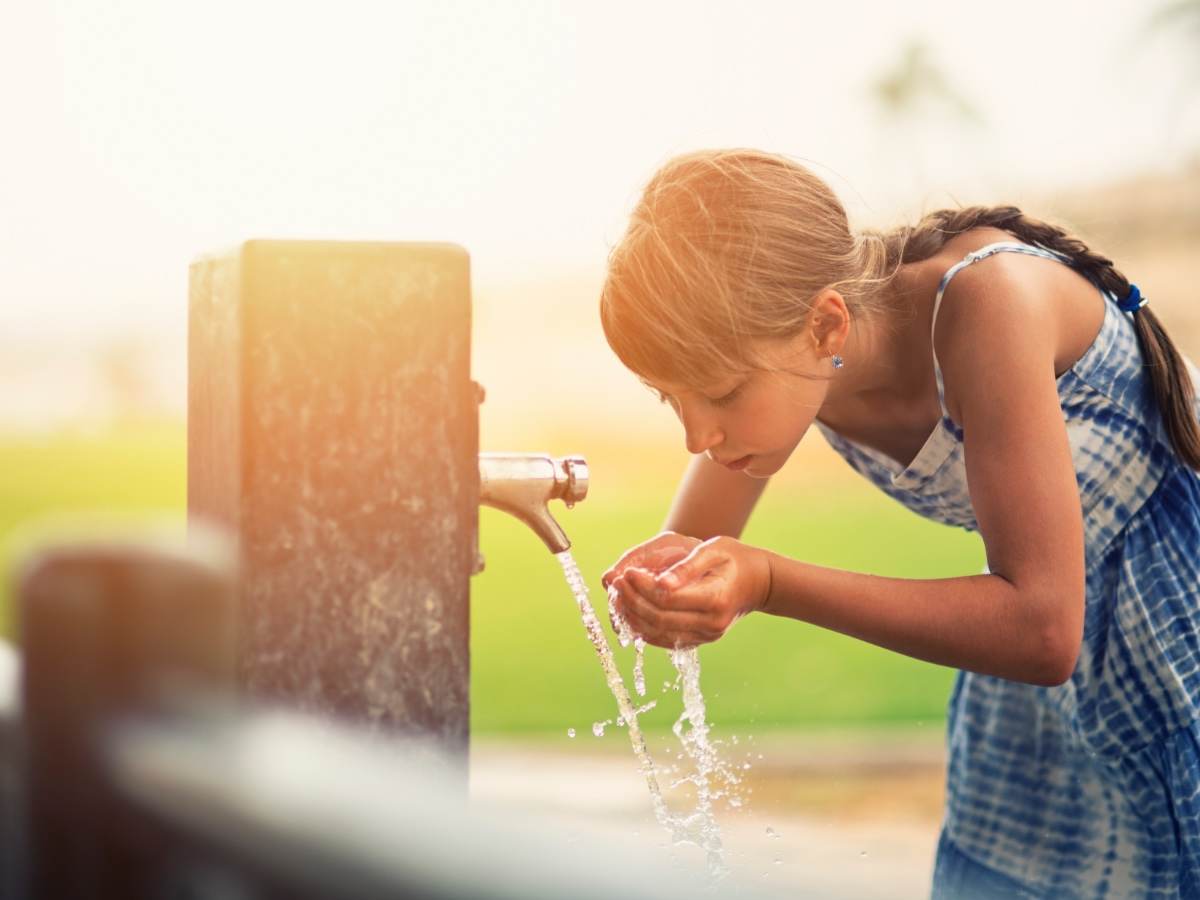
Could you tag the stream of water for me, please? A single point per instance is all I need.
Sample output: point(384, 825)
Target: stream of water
point(699, 827)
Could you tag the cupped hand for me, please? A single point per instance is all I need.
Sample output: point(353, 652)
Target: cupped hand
point(697, 598)
point(654, 555)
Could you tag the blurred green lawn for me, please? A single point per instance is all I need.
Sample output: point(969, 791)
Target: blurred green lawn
point(533, 669)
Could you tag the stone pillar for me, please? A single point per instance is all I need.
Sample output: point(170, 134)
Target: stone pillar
point(333, 428)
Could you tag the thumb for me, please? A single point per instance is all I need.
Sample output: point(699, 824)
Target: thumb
point(701, 560)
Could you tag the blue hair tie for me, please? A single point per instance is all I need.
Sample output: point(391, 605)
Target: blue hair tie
point(1133, 301)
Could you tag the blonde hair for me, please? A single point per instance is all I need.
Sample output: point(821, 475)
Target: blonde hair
point(726, 248)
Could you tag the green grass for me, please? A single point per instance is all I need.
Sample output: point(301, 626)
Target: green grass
point(533, 669)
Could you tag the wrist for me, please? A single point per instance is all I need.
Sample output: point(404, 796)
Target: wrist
point(768, 576)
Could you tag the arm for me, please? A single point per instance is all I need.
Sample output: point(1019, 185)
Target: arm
point(712, 500)
point(977, 622)
point(1023, 621)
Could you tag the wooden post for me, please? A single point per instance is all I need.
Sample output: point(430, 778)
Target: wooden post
point(333, 427)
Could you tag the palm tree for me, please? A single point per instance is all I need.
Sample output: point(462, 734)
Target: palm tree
point(1181, 20)
point(1182, 13)
point(915, 102)
point(915, 85)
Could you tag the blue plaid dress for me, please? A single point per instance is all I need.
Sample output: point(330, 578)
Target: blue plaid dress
point(1090, 788)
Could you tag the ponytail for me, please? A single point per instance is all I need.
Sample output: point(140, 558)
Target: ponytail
point(1173, 389)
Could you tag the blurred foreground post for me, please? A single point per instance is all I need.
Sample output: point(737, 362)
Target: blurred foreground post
point(333, 427)
point(109, 631)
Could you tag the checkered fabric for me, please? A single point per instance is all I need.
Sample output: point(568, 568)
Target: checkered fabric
point(1090, 788)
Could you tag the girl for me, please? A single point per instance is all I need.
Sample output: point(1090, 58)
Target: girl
point(988, 370)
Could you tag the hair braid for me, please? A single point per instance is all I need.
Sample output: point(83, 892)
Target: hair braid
point(1173, 388)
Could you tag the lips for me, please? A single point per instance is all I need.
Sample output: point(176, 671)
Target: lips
point(737, 463)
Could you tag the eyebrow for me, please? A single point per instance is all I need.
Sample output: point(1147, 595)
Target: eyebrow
point(743, 378)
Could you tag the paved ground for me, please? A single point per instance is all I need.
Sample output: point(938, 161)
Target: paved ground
point(849, 815)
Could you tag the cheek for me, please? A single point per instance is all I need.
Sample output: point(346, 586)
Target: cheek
point(773, 429)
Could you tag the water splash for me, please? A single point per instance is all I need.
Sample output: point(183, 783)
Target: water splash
point(639, 666)
point(626, 637)
point(699, 828)
point(710, 769)
point(615, 684)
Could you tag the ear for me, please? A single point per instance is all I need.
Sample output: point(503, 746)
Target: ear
point(829, 323)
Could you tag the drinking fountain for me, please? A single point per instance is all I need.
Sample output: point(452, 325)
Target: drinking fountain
point(333, 432)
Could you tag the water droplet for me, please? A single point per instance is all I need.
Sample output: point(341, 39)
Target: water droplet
point(771, 832)
point(778, 862)
point(863, 854)
point(571, 732)
point(598, 728)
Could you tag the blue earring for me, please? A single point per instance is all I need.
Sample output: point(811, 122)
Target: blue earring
point(837, 361)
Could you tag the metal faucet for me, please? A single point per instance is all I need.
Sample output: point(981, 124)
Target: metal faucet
point(524, 483)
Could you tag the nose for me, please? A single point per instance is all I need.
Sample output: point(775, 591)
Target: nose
point(700, 432)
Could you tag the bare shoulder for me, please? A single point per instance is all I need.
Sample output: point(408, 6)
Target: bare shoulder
point(1010, 304)
point(998, 334)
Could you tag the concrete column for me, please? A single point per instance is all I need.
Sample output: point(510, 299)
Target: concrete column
point(333, 428)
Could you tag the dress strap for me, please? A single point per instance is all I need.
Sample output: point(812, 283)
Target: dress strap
point(974, 257)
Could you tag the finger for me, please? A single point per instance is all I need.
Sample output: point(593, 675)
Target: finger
point(670, 638)
point(681, 641)
point(637, 610)
point(647, 585)
point(657, 553)
point(649, 619)
point(629, 558)
point(660, 558)
point(703, 558)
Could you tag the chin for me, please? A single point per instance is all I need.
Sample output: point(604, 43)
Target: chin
point(765, 466)
point(757, 470)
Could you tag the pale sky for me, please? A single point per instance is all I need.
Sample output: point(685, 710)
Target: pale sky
point(141, 133)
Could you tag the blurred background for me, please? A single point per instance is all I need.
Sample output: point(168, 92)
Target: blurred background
point(143, 134)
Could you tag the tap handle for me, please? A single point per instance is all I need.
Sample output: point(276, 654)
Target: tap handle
point(576, 471)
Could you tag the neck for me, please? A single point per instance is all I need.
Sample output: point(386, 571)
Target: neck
point(879, 349)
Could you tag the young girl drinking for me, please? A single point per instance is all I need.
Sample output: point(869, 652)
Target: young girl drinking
point(988, 370)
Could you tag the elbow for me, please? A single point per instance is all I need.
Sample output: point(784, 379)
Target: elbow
point(1055, 673)
point(1058, 655)
point(1055, 627)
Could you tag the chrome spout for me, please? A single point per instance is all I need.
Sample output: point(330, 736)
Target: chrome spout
point(522, 484)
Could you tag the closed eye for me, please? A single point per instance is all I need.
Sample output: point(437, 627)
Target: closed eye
point(728, 398)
